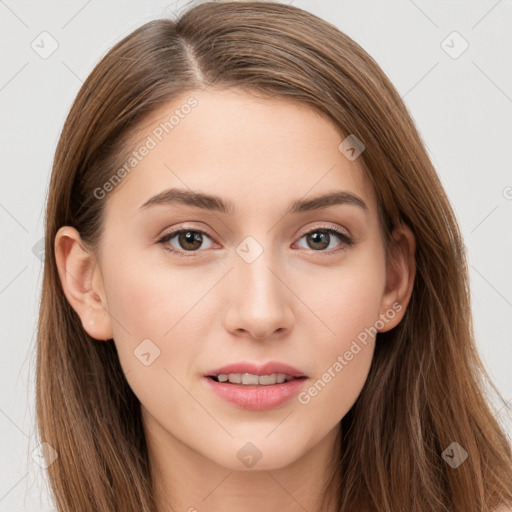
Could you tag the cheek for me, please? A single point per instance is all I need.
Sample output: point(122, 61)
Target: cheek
point(152, 298)
point(334, 391)
point(159, 322)
point(147, 302)
point(344, 356)
point(349, 310)
point(348, 300)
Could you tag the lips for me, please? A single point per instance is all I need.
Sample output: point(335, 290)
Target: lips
point(255, 369)
point(263, 396)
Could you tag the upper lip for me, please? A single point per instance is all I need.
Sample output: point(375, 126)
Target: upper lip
point(257, 369)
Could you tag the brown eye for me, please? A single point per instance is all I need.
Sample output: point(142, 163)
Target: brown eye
point(320, 239)
point(188, 240)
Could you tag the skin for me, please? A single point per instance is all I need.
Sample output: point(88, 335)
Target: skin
point(295, 303)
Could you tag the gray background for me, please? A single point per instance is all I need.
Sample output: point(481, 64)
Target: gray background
point(462, 105)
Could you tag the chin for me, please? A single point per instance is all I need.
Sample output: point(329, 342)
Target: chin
point(255, 453)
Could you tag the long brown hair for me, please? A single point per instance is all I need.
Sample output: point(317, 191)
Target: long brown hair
point(427, 386)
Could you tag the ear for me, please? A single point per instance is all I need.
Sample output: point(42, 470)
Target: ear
point(82, 282)
point(400, 274)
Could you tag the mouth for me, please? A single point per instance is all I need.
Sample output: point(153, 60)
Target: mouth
point(250, 379)
point(253, 374)
point(255, 392)
point(259, 387)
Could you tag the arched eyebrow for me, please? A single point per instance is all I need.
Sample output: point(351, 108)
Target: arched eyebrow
point(217, 204)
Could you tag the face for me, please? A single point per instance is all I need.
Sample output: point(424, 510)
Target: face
point(255, 282)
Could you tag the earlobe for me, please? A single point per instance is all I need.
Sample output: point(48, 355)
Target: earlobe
point(400, 274)
point(82, 283)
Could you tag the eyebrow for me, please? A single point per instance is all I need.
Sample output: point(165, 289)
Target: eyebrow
point(217, 204)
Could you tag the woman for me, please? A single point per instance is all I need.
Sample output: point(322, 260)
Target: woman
point(255, 294)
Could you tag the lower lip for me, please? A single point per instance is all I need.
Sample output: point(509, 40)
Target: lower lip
point(257, 398)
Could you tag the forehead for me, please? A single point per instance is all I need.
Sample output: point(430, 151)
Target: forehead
point(247, 149)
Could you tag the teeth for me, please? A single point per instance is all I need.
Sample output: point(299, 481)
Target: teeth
point(254, 380)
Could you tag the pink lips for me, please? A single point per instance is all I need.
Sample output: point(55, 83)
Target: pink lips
point(257, 397)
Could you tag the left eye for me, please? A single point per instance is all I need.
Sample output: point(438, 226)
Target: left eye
point(320, 236)
point(190, 240)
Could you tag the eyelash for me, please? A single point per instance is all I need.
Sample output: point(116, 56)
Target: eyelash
point(346, 241)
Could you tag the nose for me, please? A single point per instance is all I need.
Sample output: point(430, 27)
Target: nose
point(259, 299)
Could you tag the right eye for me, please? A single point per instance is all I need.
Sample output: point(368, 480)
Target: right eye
point(190, 241)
